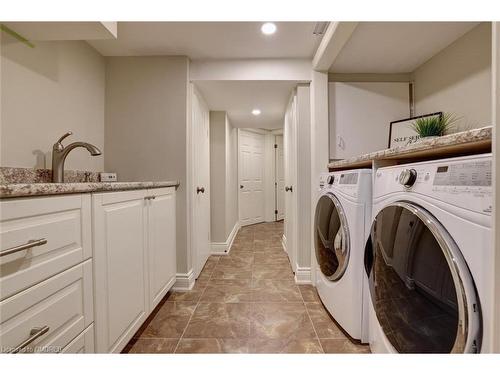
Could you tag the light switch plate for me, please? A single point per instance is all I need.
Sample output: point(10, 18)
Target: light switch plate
point(108, 177)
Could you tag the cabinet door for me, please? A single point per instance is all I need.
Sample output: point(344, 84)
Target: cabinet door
point(83, 343)
point(120, 263)
point(162, 245)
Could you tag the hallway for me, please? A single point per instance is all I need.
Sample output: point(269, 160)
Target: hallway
point(245, 302)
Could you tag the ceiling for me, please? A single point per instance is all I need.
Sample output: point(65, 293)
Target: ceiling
point(238, 98)
point(396, 47)
point(211, 40)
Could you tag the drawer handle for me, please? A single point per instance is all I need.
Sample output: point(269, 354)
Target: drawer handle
point(35, 333)
point(150, 197)
point(29, 244)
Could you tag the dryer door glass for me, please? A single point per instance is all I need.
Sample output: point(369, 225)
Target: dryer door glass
point(331, 237)
point(420, 286)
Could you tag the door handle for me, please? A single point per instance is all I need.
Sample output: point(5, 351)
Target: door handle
point(200, 190)
point(289, 188)
point(27, 245)
point(241, 186)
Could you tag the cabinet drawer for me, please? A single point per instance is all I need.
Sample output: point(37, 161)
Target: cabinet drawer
point(83, 343)
point(63, 222)
point(63, 303)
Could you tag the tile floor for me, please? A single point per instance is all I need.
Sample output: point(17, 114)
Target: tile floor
point(245, 302)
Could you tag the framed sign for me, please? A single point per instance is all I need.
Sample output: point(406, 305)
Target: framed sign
point(401, 132)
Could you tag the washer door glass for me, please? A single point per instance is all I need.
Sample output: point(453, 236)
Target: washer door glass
point(420, 286)
point(331, 237)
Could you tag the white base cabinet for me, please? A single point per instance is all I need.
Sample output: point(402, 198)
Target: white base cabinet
point(46, 293)
point(134, 260)
point(80, 273)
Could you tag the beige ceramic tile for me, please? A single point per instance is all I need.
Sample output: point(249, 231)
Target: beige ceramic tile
point(142, 346)
point(212, 345)
point(309, 293)
point(272, 272)
point(219, 320)
point(244, 302)
point(343, 346)
point(170, 321)
point(281, 321)
point(275, 291)
point(293, 346)
point(232, 272)
point(228, 291)
point(323, 323)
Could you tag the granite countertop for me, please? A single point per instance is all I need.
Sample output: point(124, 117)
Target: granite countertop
point(466, 142)
point(48, 188)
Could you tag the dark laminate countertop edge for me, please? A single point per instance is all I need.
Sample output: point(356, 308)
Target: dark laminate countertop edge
point(50, 189)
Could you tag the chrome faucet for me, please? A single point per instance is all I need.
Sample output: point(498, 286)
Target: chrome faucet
point(59, 153)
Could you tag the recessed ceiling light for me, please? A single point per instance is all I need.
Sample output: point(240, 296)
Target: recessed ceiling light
point(268, 28)
point(256, 112)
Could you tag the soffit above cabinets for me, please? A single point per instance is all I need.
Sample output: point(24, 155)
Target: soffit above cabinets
point(211, 40)
point(46, 31)
point(239, 98)
point(395, 47)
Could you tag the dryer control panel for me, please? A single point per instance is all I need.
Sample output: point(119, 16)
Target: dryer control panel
point(354, 183)
point(465, 181)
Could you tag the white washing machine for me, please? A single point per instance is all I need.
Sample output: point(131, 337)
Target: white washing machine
point(429, 258)
point(341, 228)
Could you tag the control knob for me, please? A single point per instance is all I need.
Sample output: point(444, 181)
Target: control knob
point(408, 177)
point(330, 179)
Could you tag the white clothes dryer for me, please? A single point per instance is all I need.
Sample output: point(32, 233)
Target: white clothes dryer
point(341, 228)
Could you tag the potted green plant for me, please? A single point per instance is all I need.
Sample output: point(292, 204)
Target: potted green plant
point(435, 126)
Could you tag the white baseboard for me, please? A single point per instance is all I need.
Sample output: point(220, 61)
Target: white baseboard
point(223, 248)
point(184, 281)
point(303, 275)
point(283, 243)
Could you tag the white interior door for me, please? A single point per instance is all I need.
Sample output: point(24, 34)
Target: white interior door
point(280, 178)
point(251, 177)
point(290, 166)
point(201, 181)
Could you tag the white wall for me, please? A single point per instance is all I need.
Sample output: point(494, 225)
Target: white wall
point(458, 80)
point(146, 128)
point(231, 177)
point(269, 171)
point(319, 146)
point(360, 114)
point(46, 91)
point(223, 176)
point(218, 176)
point(303, 190)
point(251, 70)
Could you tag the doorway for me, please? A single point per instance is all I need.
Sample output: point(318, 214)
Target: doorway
point(279, 178)
point(251, 166)
point(200, 216)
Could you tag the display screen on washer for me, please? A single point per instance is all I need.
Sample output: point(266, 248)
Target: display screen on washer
point(331, 237)
point(348, 179)
point(415, 288)
point(476, 173)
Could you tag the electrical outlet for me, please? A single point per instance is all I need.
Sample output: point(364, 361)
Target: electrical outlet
point(108, 177)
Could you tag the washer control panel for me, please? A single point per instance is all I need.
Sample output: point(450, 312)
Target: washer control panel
point(474, 173)
point(463, 181)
